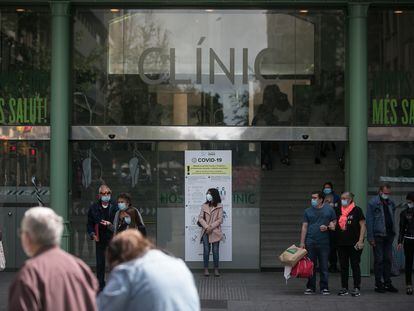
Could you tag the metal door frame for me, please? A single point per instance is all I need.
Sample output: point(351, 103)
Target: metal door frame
point(207, 133)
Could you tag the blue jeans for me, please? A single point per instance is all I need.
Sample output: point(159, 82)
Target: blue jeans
point(206, 254)
point(383, 259)
point(318, 254)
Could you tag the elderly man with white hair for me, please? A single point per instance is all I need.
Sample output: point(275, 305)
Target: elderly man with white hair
point(51, 279)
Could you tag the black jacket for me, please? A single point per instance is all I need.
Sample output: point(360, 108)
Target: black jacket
point(97, 213)
point(406, 224)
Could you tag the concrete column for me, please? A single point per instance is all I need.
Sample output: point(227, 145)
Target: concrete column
point(59, 113)
point(358, 111)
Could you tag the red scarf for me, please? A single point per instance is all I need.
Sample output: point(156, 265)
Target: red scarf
point(344, 215)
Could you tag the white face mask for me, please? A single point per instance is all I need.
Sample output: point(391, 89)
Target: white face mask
point(384, 196)
point(209, 197)
point(410, 204)
point(127, 220)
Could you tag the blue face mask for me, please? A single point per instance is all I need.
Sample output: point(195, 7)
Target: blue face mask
point(105, 198)
point(344, 202)
point(122, 206)
point(314, 202)
point(209, 197)
point(327, 191)
point(127, 220)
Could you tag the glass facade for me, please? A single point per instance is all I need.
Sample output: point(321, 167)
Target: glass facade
point(25, 66)
point(391, 67)
point(224, 67)
point(196, 67)
point(153, 173)
point(19, 162)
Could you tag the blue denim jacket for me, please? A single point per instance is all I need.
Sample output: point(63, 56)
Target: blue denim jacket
point(375, 218)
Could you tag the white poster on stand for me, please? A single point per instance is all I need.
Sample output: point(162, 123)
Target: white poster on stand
point(205, 169)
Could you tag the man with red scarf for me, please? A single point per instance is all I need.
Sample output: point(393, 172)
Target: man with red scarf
point(350, 232)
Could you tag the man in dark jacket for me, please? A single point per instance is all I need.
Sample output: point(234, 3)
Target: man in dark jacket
point(381, 234)
point(100, 219)
point(406, 238)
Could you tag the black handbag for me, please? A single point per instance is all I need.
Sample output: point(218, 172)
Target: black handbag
point(198, 222)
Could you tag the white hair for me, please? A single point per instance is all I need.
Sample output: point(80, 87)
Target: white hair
point(43, 225)
point(104, 187)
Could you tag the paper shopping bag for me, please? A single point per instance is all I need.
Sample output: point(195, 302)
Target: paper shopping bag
point(292, 255)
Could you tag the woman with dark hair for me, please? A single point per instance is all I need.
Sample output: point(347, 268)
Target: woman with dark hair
point(350, 233)
point(210, 219)
point(127, 216)
point(144, 278)
point(406, 239)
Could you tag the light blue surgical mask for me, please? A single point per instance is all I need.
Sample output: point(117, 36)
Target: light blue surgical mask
point(105, 198)
point(327, 191)
point(127, 220)
point(314, 202)
point(410, 204)
point(209, 197)
point(122, 206)
point(344, 202)
point(384, 196)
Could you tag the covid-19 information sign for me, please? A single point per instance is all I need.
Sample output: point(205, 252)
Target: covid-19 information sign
point(205, 170)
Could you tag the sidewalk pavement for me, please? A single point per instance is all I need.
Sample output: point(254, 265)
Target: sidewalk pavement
point(268, 291)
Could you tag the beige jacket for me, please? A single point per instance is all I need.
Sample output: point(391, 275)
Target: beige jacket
point(212, 217)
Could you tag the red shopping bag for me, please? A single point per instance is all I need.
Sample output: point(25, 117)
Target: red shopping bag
point(303, 269)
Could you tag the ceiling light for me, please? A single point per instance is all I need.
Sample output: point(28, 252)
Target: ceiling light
point(115, 10)
point(20, 10)
point(398, 12)
point(303, 11)
point(209, 10)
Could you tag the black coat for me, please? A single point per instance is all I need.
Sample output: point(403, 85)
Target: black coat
point(96, 214)
point(406, 224)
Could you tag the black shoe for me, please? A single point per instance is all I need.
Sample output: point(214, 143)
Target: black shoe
point(380, 289)
point(325, 292)
point(391, 289)
point(309, 291)
point(343, 292)
point(355, 292)
point(285, 161)
point(409, 290)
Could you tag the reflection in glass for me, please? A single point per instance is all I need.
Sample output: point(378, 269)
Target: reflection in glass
point(24, 66)
point(391, 68)
point(153, 173)
point(19, 162)
point(191, 67)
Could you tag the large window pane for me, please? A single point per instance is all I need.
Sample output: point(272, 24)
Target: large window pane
point(153, 173)
point(20, 161)
point(24, 66)
point(391, 67)
point(221, 67)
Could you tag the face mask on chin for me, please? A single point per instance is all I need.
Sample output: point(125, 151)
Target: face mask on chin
point(384, 196)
